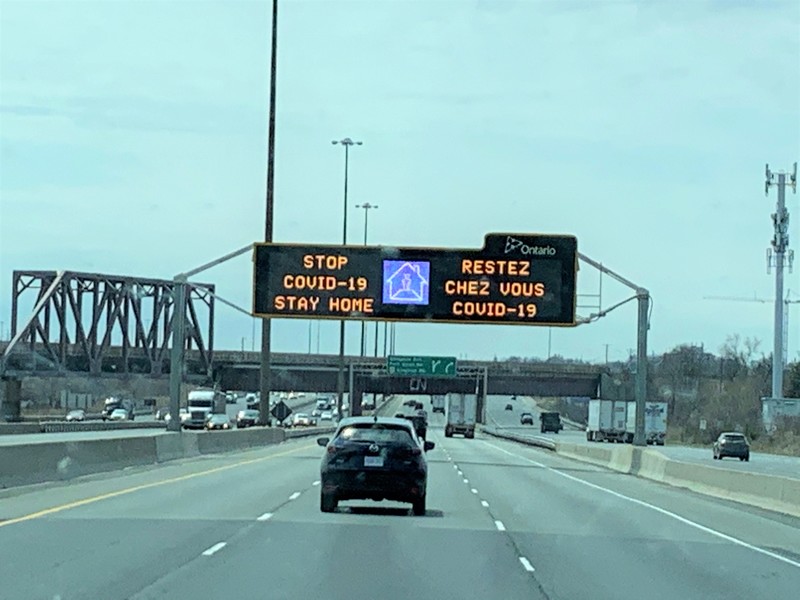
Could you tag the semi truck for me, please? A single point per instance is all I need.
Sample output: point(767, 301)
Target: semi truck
point(655, 422)
point(201, 404)
point(461, 415)
point(615, 421)
point(608, 421)
point(437, 404)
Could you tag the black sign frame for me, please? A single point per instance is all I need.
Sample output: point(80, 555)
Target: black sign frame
point(495, 284)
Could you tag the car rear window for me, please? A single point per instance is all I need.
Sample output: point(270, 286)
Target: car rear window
point(735, 438)
point(380, 433)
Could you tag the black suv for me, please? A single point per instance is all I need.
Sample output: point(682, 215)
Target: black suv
point(732, 444)
point(377, 458)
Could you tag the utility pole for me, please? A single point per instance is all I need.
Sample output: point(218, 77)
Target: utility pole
point(346, 142)
point(606, 345)
point(265, 383)
point(367, 206)
point(779, 256)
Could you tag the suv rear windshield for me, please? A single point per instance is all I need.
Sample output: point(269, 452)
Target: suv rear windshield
point(378, 432)
point(733, 438)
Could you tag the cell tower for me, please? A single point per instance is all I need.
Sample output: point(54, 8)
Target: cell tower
point(779, 256)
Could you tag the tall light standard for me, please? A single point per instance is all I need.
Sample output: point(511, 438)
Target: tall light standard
point(265, 370)
point(346, 142)
point(366, 206)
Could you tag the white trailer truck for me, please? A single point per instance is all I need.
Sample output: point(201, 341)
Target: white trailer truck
point(461, 415)
point(607, 421)
point(437, 404)
point(655, 422)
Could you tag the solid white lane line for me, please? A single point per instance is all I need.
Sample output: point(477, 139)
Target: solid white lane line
point(294, 496)
point(658, 509)
point(500, 526)
point(214, 549)
point(527, 564)
point(484, 504)
point(316, 482)
point(265, 517)
point(474, 491)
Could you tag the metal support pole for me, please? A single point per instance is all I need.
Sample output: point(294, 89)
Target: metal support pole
point(346, 142)
point(349, 394)
point(177, 354)
point(265, 375)
point(643, 299)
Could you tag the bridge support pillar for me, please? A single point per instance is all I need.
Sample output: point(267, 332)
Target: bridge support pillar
point(10, 399)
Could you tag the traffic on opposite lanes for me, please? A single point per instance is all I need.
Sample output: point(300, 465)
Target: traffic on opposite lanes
point(768, 464)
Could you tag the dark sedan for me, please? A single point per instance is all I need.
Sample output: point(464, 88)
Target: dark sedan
point(732, 444)
point(377, 458)
point(246, 418)
point(218, 421)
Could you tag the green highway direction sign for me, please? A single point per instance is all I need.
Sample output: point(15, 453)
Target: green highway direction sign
point(429, 366)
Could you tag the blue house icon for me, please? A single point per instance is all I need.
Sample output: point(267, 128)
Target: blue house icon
point(406, 282)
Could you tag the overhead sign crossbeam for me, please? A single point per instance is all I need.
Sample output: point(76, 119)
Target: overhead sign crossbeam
point(513, 279)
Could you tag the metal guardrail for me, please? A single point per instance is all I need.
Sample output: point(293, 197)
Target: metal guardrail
point(308, 432)
point(539, 442)
point(77, 426)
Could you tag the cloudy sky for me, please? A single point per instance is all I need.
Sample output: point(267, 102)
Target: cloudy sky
point(134, 142)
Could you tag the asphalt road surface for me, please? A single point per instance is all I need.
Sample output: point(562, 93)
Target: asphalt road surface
point(768, 464)
point(504, 521)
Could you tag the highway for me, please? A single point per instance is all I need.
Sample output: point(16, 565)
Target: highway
point(768, 464)
point(504, 521)
point(74, 436)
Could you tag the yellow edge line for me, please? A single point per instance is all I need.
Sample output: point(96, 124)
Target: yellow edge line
point(144, 486)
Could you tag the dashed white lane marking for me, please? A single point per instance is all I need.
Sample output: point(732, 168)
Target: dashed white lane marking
point(474, 491)
point(214, 549)
point(500, 526)
point(316, 482)
point(265, 517)
point(484, 504)
point(658, 509)
point(466, 480)
point(527, 564)
point(294, 496)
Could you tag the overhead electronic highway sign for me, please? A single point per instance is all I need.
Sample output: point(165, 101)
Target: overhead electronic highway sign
point(514, 279)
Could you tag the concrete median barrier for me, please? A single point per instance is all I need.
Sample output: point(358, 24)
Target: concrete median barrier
point(26, 464)
point(213, 442)
point(770, 492)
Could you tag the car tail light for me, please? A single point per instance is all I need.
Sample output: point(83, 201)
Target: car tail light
point(416, 451)
point(331, 449)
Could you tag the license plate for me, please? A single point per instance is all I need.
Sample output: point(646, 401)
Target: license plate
point(373, 461)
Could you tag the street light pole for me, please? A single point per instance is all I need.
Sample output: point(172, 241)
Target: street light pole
point(367, 206)
point(346, 142)
point(265, 383)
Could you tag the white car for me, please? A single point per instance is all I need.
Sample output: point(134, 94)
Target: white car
point(76, 415)
point(326, 416)
point(118, 414)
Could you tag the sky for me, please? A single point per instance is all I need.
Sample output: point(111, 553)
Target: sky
point(133, 141)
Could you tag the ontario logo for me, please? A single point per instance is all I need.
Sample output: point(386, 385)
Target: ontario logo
point(514, 245)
